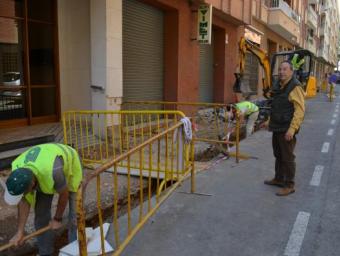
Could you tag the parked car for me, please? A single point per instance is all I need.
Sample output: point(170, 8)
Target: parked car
point(11, 79)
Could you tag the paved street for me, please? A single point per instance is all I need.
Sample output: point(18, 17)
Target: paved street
point(242, 216)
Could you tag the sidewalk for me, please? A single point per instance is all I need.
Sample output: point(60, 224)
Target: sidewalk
point(189, 224)
point(239, 215)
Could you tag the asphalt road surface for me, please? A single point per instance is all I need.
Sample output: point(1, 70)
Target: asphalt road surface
point(241, 216)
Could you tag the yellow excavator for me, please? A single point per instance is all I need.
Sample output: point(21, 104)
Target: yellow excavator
point(301, 60)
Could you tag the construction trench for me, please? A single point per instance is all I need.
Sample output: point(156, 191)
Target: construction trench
point(204, 152)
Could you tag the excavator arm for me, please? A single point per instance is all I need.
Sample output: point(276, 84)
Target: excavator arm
point(247, 46)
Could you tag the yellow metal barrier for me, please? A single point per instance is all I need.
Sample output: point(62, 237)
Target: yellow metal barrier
point(331, 92)
point(324, 86)
point(102, 135)
point(311, 87)
point(211, 121)
point(164, 161)
point(147, 144)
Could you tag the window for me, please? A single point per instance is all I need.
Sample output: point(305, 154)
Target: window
point(27, 59)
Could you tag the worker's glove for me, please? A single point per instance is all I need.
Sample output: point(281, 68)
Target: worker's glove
point(297, 64)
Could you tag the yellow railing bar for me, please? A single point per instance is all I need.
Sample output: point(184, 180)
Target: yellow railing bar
point(115, 207)
point(129, 193)
point(100, 216)
point(141, 191)
point(119, 112)
point(87, 135)
point(237, 136)
point(177, 103)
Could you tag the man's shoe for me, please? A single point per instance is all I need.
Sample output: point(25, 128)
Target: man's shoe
point(274, 182)
point(285, 191)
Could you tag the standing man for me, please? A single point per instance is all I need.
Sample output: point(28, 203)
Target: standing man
point(37, 175)
point(287, 113)
point(247, 109)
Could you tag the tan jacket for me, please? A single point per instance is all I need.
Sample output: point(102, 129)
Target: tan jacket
point(297, 97)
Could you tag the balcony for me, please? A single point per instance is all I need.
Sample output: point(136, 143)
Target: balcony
point(322, 53)
point(323, 8)
point(311, 45)
point(284, 21)
point(260, 11)
point(322, 31)
point(312, 19)
point(240, 11)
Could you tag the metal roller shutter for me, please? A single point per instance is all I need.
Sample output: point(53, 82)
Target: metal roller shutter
point(143, 65)
point(206, 73)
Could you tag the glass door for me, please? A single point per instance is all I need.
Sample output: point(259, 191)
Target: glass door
point(28, 61)
point(13, 89)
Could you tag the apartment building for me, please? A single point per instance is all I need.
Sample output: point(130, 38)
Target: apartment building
point(280, 24)
point(328, 32)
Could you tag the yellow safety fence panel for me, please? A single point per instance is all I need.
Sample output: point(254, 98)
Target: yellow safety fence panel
point(101, 135)
point(324, 86)
point(160, 160)
point(211, 122)
point(331, 94)
point(164, 161)
point(311, 87)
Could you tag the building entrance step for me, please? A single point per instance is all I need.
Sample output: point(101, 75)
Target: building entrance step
point(10, 150)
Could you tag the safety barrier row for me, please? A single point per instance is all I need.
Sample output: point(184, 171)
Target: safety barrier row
point(145, 143)
point(212, 122)
point(102, 135)
point(164, 161)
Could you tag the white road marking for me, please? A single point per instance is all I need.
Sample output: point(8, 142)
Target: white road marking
point(298, 233)
point(336, 110)
point(330, 132)
point(316, 178)
point(335, 115)
point(333, 121)
point(325, 147)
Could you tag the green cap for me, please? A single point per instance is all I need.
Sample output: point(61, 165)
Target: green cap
point(16, 184)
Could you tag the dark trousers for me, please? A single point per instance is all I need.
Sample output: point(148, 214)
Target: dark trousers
point(43, 216)
point(284, 158)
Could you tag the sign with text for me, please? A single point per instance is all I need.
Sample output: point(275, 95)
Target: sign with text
point(204, 23)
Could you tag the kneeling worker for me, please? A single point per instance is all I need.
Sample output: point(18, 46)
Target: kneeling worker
point(37, 175)
point(250, 110)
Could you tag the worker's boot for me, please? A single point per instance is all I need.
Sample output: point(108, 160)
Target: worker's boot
point(285, 191)
point(289, 179)
point(278, 180)
point(274, 182)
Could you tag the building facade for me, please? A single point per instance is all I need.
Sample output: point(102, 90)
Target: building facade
point(58, 55)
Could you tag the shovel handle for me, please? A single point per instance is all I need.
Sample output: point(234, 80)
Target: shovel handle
point(36, 233)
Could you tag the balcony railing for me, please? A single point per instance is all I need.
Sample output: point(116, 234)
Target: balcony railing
point(323, 53)
point(322, 30)
point(280, 4)
point(311, 44)
point(312, 17)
